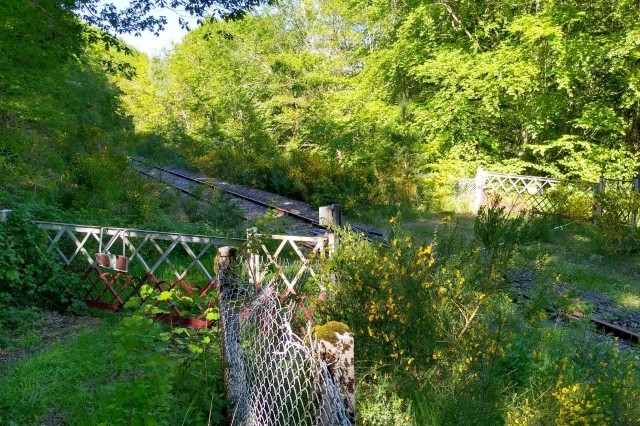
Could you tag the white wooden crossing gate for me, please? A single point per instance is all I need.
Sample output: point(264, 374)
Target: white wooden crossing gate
point(293, 263)
point(165, 261)
point(521, 192)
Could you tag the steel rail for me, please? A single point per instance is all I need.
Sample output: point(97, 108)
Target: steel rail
point(244, 197)
point(185, 191)
point(619, 332)
point(622, 333)
point(233, 193)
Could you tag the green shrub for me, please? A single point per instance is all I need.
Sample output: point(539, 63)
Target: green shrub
point(424, 318)
point(219, 211)
point(615, 232)
point(502, 232)
point(167, 375)
point(31, 276)
point(438, 335)
point(570, 201)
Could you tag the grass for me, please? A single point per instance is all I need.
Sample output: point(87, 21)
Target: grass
point(127, 370)
point(574, 257)
point(79, 380)
point(67, 378)
point(507, 365)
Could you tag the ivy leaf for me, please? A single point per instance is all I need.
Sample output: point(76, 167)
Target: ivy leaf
point(132, 303)
point(181, 330)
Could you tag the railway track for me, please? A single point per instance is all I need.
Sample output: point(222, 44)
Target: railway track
point(625, 335)
point(297, 210)
point(609, 328)
point(304, 213)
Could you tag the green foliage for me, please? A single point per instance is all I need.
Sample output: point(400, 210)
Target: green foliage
point(144, 398)
point(495, 86)
point(169, 375)
point(62, 120)
point(561, 362)
point(571, 201)
point(64, 379)
point(287, 122)
point(615, 230)
point(439, 340)
point(16, 324)
point(218, 211)
point(379, 403)
point(28, 275)
point(440, 292)
point(355, 98)
point(502, 233)
point(128, 371)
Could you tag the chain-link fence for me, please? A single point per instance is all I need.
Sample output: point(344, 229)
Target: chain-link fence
point(275, 376)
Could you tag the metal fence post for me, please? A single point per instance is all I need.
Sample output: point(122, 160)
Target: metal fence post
point(235, 381)
point(479, 198)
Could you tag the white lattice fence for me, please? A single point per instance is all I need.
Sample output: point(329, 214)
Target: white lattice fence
point(164, 261)
point(276, 371)
point(531, 193)
point(621, 200)
point(292, 261)
point(517, 191)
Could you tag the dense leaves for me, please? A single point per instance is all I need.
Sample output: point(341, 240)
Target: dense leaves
point(142, 15)
point(538, 87)
point(29, 276)
point(334, 100)
point(347, 101)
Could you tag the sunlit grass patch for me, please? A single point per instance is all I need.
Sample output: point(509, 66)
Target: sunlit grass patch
point(58, 378)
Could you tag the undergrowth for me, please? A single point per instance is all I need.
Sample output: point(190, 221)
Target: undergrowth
point(440, 341)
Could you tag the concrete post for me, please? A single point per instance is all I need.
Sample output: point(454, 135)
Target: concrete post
point(330, 215)
point(336, 347)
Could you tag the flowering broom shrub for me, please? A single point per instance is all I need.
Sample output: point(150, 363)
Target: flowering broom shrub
point(436, 328)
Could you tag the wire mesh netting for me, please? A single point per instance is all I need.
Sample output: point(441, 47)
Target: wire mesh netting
point(274, 376)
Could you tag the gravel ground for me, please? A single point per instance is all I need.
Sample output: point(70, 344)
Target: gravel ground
point(251, 210)
point(602, 307)
point(607, 310)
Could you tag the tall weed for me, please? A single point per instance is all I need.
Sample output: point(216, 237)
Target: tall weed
point(615, 232)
